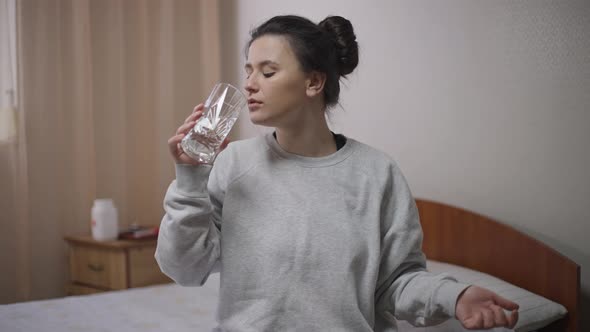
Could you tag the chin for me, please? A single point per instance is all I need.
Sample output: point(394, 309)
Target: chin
point(261, 120)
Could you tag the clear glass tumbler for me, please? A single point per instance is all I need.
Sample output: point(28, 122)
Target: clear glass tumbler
point(222, 109)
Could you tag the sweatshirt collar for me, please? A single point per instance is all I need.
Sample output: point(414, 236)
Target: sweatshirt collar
point(324, 161)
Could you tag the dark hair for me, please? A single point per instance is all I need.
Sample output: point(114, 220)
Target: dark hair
point(329, 47)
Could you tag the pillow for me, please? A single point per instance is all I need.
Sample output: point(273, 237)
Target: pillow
point(535, 311)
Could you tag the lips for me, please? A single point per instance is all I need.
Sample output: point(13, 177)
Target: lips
point(254, 104)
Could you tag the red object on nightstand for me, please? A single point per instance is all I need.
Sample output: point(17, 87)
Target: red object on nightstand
point(137, 232)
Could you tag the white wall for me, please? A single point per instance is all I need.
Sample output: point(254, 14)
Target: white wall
point(485, 105)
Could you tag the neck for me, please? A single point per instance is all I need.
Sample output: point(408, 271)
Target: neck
point(310, 137)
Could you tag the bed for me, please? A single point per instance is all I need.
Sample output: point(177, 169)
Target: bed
point(467, 239)
point(456, 241)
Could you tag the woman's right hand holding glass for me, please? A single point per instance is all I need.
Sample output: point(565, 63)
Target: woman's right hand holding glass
point(178, 154)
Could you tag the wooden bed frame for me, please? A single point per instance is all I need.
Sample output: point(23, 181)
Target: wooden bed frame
point(464, 238)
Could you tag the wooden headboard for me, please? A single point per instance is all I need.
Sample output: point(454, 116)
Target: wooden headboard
point(464, 238)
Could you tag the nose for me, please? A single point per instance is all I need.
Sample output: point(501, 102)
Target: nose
point(251, 85)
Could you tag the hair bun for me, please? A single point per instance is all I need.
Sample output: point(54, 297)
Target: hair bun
point(347, 47)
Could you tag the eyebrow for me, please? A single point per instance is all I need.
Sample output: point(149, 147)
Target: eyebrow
point(261, 64)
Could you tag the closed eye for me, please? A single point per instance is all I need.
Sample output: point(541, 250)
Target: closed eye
point(267, 75)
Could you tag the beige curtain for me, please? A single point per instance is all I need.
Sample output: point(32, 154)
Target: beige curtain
point(103, 84)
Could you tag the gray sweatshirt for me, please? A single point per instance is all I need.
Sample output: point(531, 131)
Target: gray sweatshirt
point(306, 244)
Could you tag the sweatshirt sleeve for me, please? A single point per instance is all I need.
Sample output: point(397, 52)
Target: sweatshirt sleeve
point(189, 238)
point(405, 290)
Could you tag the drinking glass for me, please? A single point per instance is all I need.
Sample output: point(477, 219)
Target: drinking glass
point(222, 109)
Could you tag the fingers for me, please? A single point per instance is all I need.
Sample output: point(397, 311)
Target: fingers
point(185, 128)
point(500, 318)
point(504, 303)
point(496, 317)
point(488, 319)
point(191, 120)
point(513, 319)
point(474, 322)
point(197, 112)
point(507, 305)
point(174, 141)
point(173, 144)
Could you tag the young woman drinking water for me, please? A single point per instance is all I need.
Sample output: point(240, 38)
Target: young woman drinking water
point(311, 230)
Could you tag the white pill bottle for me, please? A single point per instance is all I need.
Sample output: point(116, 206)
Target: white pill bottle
point(105, 223)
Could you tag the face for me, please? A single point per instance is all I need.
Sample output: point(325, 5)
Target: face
point(275, 84)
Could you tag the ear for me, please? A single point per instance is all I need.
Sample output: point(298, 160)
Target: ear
point(314, 85)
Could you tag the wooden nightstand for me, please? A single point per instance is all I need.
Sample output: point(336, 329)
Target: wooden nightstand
point(97, 266)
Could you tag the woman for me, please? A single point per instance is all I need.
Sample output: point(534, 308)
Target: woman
point(312, 230)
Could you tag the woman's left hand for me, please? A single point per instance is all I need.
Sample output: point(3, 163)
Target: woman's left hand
point(479, 308)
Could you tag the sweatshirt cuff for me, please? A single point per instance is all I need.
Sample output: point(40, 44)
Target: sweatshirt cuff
point(192, 179)
point(448, 294)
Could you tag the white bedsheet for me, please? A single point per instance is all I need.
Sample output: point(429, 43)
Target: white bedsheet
point(166, 308)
